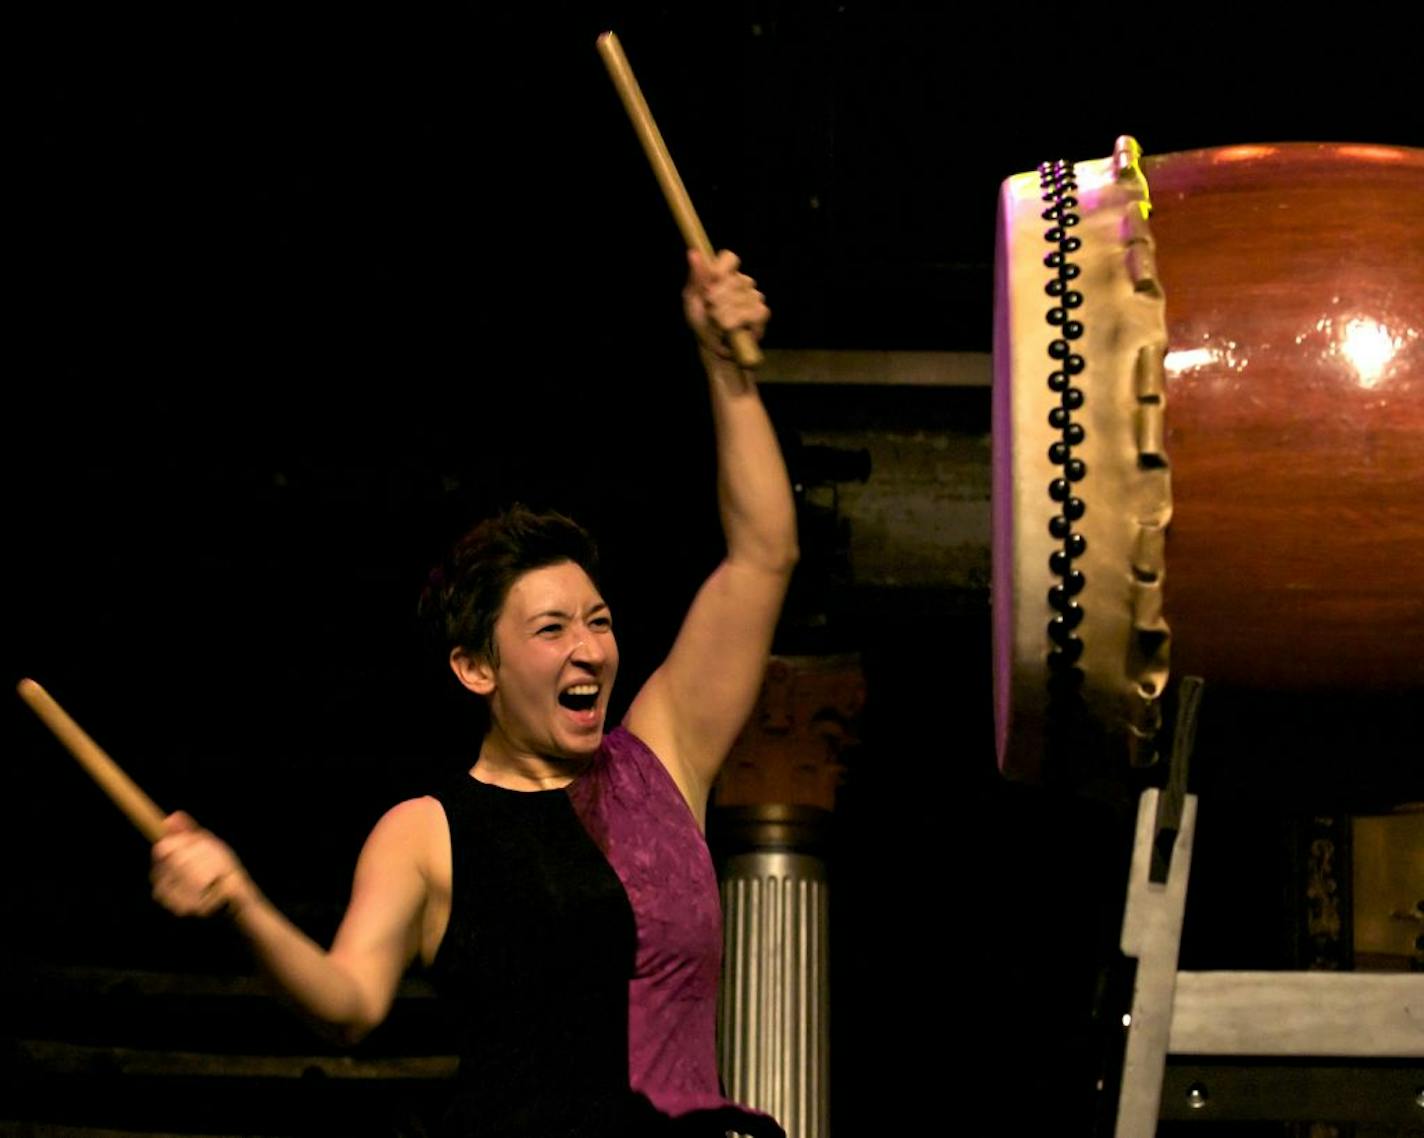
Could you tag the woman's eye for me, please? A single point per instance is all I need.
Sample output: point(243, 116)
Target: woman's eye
point(601, 623)
point(549, 629)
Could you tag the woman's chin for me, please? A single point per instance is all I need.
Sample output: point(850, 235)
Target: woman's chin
point(581, 731)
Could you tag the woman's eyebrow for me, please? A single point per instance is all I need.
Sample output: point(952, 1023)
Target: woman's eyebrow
point(546, 613)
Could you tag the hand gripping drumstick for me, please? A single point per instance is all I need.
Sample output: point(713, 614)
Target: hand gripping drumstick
point(126, 795)
point(744, 345)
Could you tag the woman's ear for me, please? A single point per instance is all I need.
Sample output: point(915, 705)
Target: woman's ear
point(472, 670)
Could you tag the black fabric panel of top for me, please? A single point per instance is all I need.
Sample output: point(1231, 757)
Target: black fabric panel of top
point(535, 965)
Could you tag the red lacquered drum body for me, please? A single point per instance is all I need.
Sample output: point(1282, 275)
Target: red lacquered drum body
point(1209, 432)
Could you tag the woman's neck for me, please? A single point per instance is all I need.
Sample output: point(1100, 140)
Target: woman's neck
point(502, 763)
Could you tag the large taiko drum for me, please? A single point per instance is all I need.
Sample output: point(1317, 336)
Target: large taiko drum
point(1208, 434)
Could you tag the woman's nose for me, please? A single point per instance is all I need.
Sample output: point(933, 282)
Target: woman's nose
point(590, 649)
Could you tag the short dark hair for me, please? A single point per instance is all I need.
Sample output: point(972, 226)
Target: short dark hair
point(465, 593)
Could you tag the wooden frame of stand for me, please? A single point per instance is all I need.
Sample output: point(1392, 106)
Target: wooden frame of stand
point(1286, 1046)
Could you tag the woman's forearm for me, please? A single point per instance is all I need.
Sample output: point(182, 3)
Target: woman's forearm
point(753, 490)
point(317, 983)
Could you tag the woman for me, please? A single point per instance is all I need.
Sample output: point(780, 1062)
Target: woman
point(561, 890)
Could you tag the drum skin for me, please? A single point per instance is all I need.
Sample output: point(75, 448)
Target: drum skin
point(1288, 282)
point(1294, 285)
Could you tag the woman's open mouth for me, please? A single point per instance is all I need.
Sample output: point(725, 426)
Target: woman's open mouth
point(579, 697)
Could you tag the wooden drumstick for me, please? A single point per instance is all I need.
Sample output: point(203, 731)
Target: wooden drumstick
point(126, 795)
point(744, 345)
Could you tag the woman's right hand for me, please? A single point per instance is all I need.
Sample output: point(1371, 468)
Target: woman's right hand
point(195, 874)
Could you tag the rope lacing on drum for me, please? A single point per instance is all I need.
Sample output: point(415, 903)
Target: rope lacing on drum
point(1058, 182)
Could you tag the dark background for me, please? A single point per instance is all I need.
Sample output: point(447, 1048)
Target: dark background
point(301, 296)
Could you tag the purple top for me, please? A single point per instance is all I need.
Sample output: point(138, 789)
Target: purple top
point(630, 805)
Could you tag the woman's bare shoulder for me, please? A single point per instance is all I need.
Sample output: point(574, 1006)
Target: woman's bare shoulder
point(415, 831)
point(413, 812)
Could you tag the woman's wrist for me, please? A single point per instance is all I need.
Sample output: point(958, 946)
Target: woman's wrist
point(725, 370)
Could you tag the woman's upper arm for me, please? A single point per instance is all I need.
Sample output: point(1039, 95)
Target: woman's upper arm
point(381, 931)
point(692, 708)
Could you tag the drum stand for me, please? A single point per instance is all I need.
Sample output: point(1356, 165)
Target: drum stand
point(1252, 1036)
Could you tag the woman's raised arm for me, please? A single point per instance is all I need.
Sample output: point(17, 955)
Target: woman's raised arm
point(693, 706)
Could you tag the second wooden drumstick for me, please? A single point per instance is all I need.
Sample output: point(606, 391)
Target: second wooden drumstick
point(744, 345)
point(125, 793)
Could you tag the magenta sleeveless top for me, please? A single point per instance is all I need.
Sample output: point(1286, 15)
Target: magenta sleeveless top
point(636, 815)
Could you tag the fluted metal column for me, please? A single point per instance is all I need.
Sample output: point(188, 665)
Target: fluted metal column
point(772, 816)
point(774, 1027)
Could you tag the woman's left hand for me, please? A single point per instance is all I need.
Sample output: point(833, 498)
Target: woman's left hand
point(719, 299)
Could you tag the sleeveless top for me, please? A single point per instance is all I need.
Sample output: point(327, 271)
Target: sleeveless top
point(582, 956)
